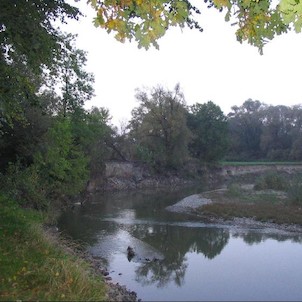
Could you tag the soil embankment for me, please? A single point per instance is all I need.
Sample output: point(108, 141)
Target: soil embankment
point(132, 176)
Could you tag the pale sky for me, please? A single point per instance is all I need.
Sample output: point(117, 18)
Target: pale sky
point(210, 65)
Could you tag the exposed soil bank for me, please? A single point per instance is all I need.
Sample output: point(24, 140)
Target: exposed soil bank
point(132, 176)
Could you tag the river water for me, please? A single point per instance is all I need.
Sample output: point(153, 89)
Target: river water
point(179, 258)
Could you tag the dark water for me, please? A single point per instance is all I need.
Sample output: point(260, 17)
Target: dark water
point(196, 261)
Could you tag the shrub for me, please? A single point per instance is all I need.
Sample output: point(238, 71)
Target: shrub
point(234, 190)
point(295, 190)
point(270, 181)
point(24, 185)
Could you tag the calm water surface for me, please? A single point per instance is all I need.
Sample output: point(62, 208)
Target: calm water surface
point(197, 261)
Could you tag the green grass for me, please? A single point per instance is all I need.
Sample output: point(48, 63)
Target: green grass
point(33, 265)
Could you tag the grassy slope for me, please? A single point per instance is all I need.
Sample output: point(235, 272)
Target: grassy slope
point(33, 267)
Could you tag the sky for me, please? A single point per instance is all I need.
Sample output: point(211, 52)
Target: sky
point(209, 66)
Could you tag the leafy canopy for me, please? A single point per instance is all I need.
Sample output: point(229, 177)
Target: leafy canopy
point(257, 21)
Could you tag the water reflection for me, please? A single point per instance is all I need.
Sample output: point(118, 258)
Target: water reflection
point(111, 223)
point(174, 243)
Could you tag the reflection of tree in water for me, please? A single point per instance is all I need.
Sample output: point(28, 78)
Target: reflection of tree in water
point(162, 272)
point(250, 237)
point(211, 243)
point(174, 243)
point(254, 237)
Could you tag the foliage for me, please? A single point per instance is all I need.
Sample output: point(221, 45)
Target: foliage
point(58, 171)
point(158, 127)
point(48, 141)
point(270, 181)
point(25, 186)
point(294, 190)
point(245, 129)
point(261, 132)
point(234, 190)
point(28, 44)
point(144, 21)
point(147, 21)
point(20, 140)
point(69, 76)
point(209, 128)
point(276, 140)
point(63, 165)
point(91, 131)
point(34, 267)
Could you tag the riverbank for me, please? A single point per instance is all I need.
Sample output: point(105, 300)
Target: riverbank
point(37, 264)
point(265, 209)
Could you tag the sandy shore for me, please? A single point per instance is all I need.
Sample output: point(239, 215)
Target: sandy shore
point(189, 204)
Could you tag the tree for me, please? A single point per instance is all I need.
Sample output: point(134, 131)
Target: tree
point(68, 74)
point(210, 133)
point(158, 127)
point(245, 128)
point(147, 21)
point(276, 138)
point(22, 140)
point(29, 40)
point(62, 167)
point(296, 133)
point(91, 132)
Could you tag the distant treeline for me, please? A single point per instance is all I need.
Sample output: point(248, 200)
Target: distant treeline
point(258, 131)
point(166, 133)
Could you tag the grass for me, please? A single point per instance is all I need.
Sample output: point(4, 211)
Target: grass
point(279, 214)
point(266, 205)
point(33, 265)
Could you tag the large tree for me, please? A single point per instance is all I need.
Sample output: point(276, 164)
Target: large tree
point(29, 43)
point(276, 138)
point(246, 127)
point(210, 133)
point(158, 127)
point(68, 75)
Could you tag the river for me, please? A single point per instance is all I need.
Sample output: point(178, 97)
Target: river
point(179, 258)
